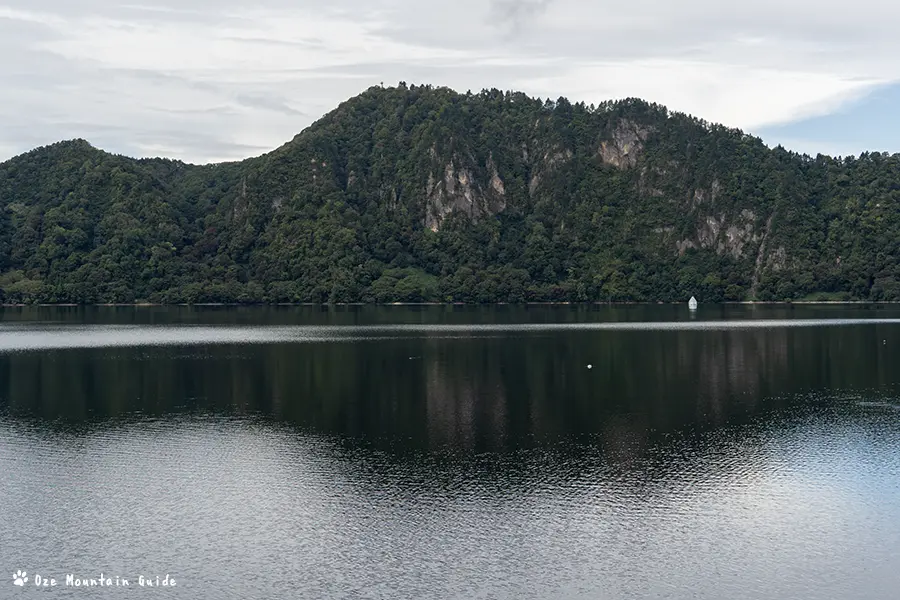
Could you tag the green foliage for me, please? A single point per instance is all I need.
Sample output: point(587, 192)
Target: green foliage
point(535, 201)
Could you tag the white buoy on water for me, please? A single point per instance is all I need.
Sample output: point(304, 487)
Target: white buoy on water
point(590, 366)
point(692, 303)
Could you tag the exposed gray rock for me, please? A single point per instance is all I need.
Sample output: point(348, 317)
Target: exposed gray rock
point(458, 190)
point(778, 259)
point(760, 257)
point(739, 235)
point(551, 160)
point(708, 232)
point(684, 245)
point(724, 236)
point(496, 183)
point(703, 196)
point(624, 149)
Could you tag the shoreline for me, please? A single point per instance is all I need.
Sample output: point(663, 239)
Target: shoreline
point(453, 304)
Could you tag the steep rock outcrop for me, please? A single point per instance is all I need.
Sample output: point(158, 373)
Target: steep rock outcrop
point(724, 235)
point(549, 162)
point(624, 148)
point(457, 189)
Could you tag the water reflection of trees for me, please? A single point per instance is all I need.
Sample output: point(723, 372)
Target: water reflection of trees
point(467, 391)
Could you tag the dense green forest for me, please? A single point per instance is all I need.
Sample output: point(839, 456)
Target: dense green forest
point(415, 193)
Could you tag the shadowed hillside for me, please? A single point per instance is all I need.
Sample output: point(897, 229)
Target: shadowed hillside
point(422, 194)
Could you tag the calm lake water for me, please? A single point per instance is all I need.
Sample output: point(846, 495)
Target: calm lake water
point(452, 452)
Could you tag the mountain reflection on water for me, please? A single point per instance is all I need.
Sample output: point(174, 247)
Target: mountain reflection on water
point(475, 389)
point(449, 452)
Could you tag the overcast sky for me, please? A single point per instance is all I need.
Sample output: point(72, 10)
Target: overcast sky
point(209, 80)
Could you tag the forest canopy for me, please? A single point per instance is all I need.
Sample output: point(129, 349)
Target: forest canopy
point(421, 194)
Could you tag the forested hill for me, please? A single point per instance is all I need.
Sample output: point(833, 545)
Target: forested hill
point(422, 194)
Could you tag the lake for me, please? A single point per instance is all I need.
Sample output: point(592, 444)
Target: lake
point(451, 452)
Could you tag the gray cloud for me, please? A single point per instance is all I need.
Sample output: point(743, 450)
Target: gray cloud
point(309, 43)
point(515, 14)
point(215, 79)
point(268, 103)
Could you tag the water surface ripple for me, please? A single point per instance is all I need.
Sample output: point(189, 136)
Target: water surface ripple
point(751, 458)
point(17, 337)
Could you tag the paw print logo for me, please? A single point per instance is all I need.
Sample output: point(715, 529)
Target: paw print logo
point(19, 578)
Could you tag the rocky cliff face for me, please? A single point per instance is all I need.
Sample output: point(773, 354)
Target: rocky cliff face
point(545, 165)
point(626, 145)
point(623, 201)
point(459, 190)
point(735, 236)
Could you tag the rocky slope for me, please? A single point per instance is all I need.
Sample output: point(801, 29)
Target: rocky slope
point(423, 194)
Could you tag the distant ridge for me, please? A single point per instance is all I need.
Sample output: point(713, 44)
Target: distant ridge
point(421, 194)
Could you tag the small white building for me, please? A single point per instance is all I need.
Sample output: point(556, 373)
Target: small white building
point(692, 303)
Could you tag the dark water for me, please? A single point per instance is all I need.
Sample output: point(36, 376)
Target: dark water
point(452, 452)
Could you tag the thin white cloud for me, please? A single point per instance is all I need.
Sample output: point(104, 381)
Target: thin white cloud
point(210, 80)
point(737, 96)
point(41, 18)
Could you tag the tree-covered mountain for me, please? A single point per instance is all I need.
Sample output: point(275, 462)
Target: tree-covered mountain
point(416, 193)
